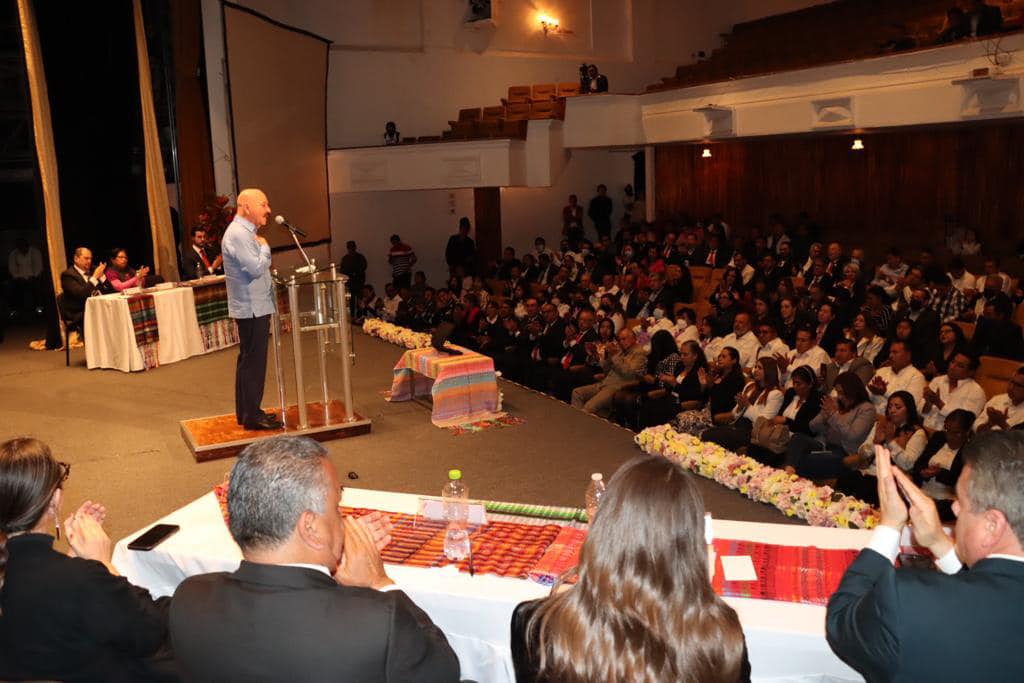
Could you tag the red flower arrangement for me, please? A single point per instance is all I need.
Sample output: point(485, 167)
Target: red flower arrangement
point(216, 216)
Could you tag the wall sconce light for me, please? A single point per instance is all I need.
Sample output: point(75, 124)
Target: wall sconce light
point(706, 154)
point(548, 24)
point(858, 145)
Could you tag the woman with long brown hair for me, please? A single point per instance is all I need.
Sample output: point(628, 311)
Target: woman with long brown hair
point(760, 398)
point(655, 620)
point(66, 618)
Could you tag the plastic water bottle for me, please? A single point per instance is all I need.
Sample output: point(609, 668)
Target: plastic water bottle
point(455, 495)
point(595, 489)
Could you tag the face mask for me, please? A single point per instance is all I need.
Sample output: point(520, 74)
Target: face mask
point(541, 248)
point(916, 305)
point(627, 254)
point(658, 314)
point(585, 251)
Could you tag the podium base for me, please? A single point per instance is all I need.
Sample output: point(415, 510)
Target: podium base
point(220, 436)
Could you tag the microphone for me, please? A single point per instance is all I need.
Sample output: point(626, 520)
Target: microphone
point(285, 224)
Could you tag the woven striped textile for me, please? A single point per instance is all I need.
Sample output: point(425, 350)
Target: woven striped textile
point(142, 309)
point(789, 573)
point(502, 548)
point(463, 388)
point(211, 302)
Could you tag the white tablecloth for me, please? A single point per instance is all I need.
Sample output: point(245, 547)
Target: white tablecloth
point(110, 338)
point(786, 641)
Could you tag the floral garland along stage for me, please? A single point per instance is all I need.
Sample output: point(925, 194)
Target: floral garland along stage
point(402, 336)
point(796, 497)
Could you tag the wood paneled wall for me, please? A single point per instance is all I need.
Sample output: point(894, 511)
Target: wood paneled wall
point(903, 189)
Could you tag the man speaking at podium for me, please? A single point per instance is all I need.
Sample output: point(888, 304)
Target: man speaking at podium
point(250, 303)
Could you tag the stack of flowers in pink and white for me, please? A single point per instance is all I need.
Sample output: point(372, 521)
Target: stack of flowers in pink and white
point(795, 496)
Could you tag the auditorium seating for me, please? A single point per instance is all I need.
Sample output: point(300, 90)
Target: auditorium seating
point(839, 31)
point(523, 103)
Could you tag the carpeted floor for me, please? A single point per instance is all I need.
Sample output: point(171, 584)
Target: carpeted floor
point(120, 433)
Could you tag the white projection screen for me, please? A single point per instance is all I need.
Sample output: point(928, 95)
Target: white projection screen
point(277, 84)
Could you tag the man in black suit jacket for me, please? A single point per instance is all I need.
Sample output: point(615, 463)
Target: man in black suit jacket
point(78, 283)
point(951, 625)
point(311, 600)
point(196, 262)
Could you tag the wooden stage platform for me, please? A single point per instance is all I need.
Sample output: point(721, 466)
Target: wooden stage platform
point(220, 436)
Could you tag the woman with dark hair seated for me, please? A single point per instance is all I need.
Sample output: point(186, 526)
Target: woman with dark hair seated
point(800, 404)
point(951, 342)
point(120, 277)
point(66, 618)
point(722, 382)
point(682, 392)
point(940, 464)
point(900, 431)
point(663, 361)
point(653, 621)
point(839, 428)
point(760, 398)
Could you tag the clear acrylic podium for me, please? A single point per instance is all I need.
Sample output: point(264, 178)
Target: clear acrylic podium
point(313, 353)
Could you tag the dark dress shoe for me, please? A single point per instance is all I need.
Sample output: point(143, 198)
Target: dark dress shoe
point(264, 424)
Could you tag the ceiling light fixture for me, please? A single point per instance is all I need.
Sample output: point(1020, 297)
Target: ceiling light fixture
point(706, 154)
point(858, 145)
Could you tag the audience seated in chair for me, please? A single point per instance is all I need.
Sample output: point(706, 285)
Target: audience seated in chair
point(652, 509)
point(311, 599)
point(67, 617)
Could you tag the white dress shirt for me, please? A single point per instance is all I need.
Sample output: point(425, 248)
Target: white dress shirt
point(813, 357)
point(968, 395)
point(908, 379)
point(1002, 403)
point(746, 344)
point(771, 348)
point(768, 409)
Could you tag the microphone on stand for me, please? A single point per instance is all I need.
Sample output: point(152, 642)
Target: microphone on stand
point(288, 226)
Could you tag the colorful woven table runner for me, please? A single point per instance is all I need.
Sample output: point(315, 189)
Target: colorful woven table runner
point(788, 573)
point(142, 309)
point(211, 302)
point(502, 548)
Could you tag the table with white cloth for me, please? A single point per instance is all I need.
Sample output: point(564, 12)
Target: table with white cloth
point(785, 641)
point(110, 335)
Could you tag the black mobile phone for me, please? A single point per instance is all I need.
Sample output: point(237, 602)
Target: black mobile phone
point(154, 537)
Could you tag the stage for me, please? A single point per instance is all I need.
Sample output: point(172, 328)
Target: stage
point(121, 433)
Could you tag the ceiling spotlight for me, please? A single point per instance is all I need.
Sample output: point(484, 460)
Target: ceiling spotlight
point(858, 145)
point(706, 154)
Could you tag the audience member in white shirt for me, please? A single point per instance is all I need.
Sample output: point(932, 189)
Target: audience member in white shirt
point(961, 278)
point(956, 389)
point(743, 340)
point(761, 397)
point(992, 270)
point(1005, 411)
point(769, 343)
point(392, 300)
point(900, 375)
point(889, 275)
point(807, 352)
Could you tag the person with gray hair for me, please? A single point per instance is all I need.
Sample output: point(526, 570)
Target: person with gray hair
point(311, 599)
point(955, 624)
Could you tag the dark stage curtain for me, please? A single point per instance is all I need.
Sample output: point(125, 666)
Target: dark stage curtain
point(91, 71)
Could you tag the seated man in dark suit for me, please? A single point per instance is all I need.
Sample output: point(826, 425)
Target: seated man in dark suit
point(196, 261)
point(77, 284)
point(951, 625)
point(311, 600)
